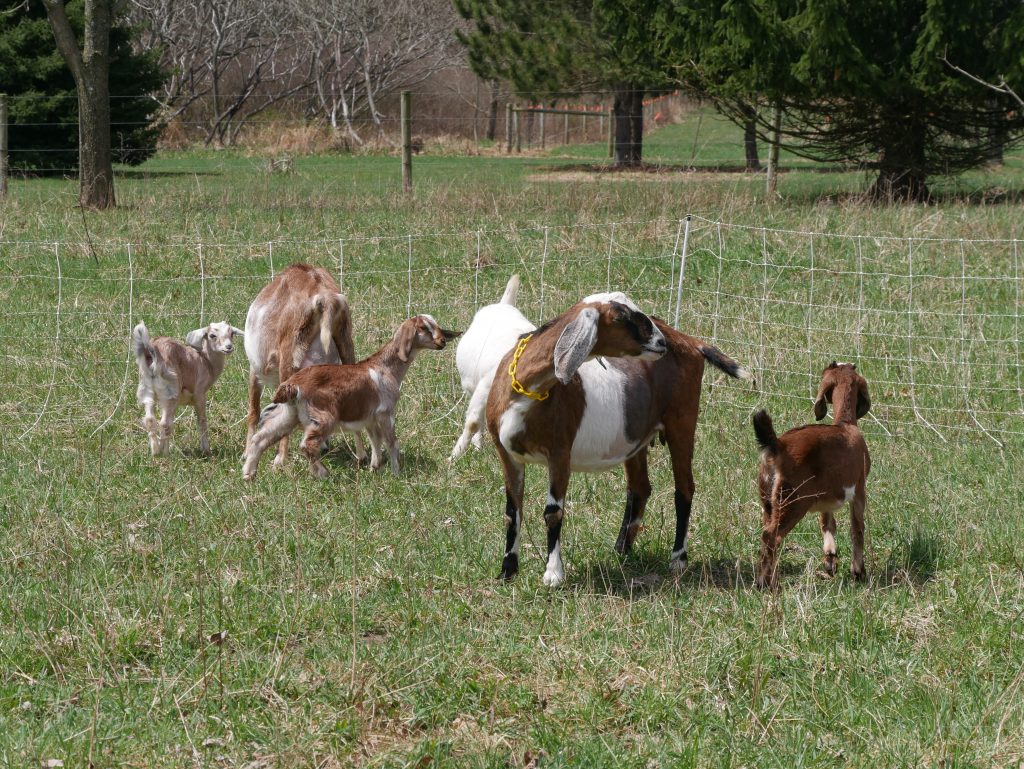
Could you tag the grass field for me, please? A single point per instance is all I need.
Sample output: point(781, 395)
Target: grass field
point(164, 613)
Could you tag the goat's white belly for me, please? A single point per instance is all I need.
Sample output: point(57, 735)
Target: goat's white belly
point(251, 339)
point(601, 441)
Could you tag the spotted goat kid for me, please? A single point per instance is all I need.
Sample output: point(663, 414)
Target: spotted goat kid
point(173, 374)
point(358, 396)
point(816, 468)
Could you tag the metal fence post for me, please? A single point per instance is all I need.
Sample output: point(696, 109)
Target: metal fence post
point(407, 141)
point(3, 145)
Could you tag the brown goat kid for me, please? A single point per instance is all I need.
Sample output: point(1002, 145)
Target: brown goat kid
point(816, 468)
point(552, 404)
point(359, 396)
point(299, 319)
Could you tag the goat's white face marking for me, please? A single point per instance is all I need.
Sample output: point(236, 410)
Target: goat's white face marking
point(554, 574)
point(218, 337)
point(611, 296)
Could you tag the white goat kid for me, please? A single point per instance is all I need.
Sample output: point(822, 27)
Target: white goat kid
point(493, 332)
point(173, 374)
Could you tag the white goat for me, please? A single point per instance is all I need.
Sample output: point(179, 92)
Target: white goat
point(493, 332)
point(175, 374)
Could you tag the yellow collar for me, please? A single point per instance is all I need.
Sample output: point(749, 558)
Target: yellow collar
point(517, 386)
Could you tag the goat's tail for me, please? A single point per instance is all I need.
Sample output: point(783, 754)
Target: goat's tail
point(286, 393)
point(511, 291)
point(764, 431)
point(145, 353)
point(723, 362)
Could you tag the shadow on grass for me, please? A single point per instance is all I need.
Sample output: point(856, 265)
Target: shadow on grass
point(155, 173)
point(914, 560)
point(340, 455)
point(686, 168)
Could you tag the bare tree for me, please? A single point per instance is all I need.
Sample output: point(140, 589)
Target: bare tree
point(90, 67)
point(366, 50)
point(232, 58)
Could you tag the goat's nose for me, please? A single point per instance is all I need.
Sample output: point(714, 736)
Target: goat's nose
point(229, 348)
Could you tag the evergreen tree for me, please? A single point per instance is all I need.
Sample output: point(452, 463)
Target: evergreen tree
point(43, 104)
point(552, 48)
point(863, 82)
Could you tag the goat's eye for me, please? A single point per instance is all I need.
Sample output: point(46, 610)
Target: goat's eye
point(213, 336)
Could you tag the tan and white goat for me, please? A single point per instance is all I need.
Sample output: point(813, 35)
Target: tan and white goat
point(173, 374)
point(815, 468)
point(299, 319)
point(360, 396)
point(551, 404)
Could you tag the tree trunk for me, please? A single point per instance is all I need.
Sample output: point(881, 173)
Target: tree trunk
point(90, 67)
point(901, 166)
point(750, 137)
point(628, 111)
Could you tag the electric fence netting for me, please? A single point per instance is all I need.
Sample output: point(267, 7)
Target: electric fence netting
point(934, 324)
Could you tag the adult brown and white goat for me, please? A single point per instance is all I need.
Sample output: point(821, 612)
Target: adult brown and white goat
point(816, 467)
point(360, 396)
point(299, 319)
point(173, 374)
point(551, 404)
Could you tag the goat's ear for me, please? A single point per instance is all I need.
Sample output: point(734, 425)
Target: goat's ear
point(863, 398)
point(575, 344)
point(195, 338)
point(450, 335)
point(237, 331)
point(406, 336)
point(820, 408)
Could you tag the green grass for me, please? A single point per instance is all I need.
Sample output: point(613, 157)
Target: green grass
point(364, 624)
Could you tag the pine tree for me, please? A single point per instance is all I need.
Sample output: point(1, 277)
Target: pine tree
point(43, 133)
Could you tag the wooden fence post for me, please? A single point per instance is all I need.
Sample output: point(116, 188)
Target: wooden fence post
point(611, 132)
point(542, 130)
point(565, 132)
point(508, 127)
point(516, 118)
point(773, 151)
point(407, 141)
point(3, 145)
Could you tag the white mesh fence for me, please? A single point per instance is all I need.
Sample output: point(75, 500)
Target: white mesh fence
point(934, 324)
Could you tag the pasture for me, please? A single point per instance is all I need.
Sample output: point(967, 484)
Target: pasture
point(165, 613)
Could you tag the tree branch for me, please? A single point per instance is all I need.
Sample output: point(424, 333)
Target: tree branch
point(1002, 87)
point(67, 44)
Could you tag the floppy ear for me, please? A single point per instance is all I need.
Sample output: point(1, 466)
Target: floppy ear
point(575, 344)
point(195, 338)
point(237, 331)
point(863, 398)
point(406, 334)
point(450, 335)
point(822, 401)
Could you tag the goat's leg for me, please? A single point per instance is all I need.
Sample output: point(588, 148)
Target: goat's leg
point(167, 425)
point(285, 371)
point(199, 403)
point(786, 513)
point(558, 473)
point(387, 430)
point(313, 439)
point(255, 395)
point(373, 431)
point(472, 429)
point(828, 536)
point(279, 419)
point(515, 476)
point(152, 425)
point(638, 490)
point(681, 448)
point(857, 505)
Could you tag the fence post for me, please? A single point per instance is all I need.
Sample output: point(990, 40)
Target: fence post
point(407, 141)
point(3, 145)
point(611, 132)
point(773, 151)
point(519, 134)
point(508, 127)
point(542, 130)
point(565, 136)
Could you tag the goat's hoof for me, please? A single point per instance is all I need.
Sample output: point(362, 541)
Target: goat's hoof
point(678, 565)
point(278, 462)
point(318, 471)
point(828, 566)
point(859, 574)
point(509, 567)
point(554, 577)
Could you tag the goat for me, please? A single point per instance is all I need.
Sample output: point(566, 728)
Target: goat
point(352, 397)
point(816, 467)
point(299, 319)
point(493, 332)
point(548, 406)
point(175, 374)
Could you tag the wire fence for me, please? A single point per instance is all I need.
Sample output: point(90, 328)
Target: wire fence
point(934, 324)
